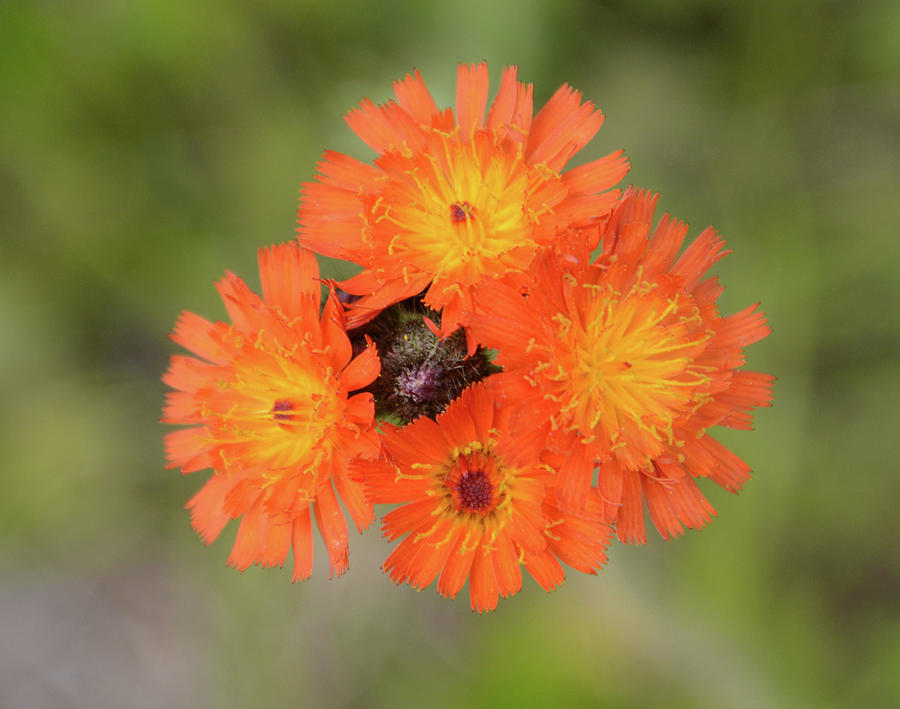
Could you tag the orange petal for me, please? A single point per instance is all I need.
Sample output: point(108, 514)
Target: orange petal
point(188, 449)
point(664, 245)
point(346, 173)
point(507, 569)
point(501, 112)
point(480, 405)
point(189, 373)
point(456, 570)
point(408, 518)
point(749, 390)
point(423, 442)
point(276, 543)
point(302, 544)
point(561, 128)
point(457, 424)
point(244, 307)
point(241, 497)
point(471, 97)
point(522, 116)
point(689, 504)
point(419, 560)
point(400, 563)
point(609, 484)
point(435, 550)
point(384, 127)
point(248, 544)
point(388, 293)
point(334, 335)
point(523, 533)
point(598, 175)
point(354, 499)
point(742, 329)
point(361, 371)
point(630, 520)
point(483, 589)
point(545, 569)
point(182, 408)
point(333, 528)
point(414, 97)
point(698, 257)
point(383, 487)
point(574, 477)
point(208, 517)
point(730, 471)
point(664, 519)
point(201, 337)
point(332, 220)
point(360, 408)
point(290, 279)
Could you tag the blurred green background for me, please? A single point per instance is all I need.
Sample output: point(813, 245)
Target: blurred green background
point(145, 147)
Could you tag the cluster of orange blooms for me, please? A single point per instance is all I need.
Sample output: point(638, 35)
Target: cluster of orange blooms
point(523, 363)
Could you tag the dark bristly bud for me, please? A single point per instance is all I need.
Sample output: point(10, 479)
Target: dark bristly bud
point(420, 373)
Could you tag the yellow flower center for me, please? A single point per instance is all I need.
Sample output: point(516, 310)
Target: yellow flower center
point(276, 409)
point(628, 369)
point(461, 209)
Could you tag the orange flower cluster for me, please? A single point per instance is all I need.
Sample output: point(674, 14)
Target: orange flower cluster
point(522, 364)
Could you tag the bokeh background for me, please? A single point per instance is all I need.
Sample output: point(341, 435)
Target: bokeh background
point(147, 146)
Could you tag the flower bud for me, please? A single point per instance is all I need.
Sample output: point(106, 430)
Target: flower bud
point(420, 373)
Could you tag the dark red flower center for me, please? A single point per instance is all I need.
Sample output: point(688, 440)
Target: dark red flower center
point(460, 212)
point(475, 491)
point(281, 406)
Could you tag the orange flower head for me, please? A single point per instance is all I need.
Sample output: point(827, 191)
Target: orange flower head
point(630, 360)
point(269, 406)
point(452, 201)
point(477, 503)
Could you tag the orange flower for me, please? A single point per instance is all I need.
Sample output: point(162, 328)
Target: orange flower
point(453, 201)
point(478, 504)
point(268, 403)
point(629, 359)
